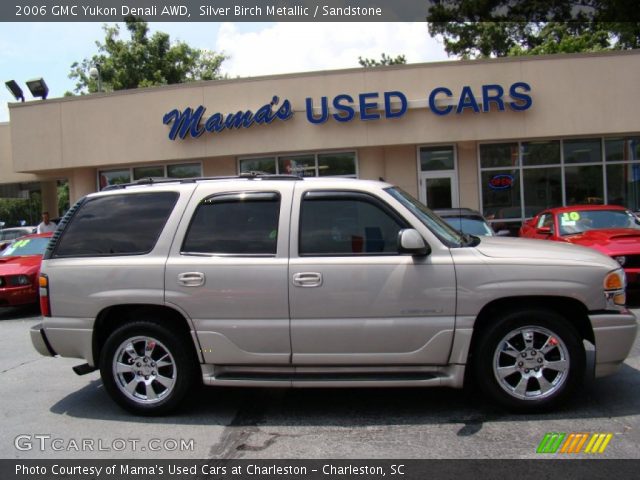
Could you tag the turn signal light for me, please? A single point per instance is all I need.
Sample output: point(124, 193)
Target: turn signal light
point(613, 281)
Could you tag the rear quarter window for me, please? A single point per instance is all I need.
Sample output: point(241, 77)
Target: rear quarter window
point(116, 225)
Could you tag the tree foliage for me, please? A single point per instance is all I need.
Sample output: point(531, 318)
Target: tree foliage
point(384, 60)
point(497, 28)
point(143, 61)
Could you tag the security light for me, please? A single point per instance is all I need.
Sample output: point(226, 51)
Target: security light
point(15, 89)
point(38, 88)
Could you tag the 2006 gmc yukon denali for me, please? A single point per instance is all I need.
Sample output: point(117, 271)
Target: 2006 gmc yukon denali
point(282, 281)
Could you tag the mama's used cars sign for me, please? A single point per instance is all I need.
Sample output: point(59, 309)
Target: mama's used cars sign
point(346, 108)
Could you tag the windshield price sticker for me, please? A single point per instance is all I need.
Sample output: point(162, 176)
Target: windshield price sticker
point(570, 218)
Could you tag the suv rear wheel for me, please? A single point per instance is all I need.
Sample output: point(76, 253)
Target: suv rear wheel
point(146, 368)
point(530, 360)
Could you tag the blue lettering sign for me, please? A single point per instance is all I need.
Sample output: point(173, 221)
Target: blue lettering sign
point(388, 112)
point(324, 111)
point(189, 122)
point(522, 101)
point(366, 106)
point(432, 101)
point(346, 112)
point(488, 98)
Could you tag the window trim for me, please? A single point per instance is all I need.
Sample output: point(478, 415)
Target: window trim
point(131, 168)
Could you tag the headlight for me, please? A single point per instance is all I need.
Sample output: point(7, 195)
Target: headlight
point(19, 280)
point(614, 285)
point(621, 260)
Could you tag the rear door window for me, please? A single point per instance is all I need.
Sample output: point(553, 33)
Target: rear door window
point(243, 223)
point(116, 225)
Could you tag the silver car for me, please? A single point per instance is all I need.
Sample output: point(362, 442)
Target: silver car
point(280, 281)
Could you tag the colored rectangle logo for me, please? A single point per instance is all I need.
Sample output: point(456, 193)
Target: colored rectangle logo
point(573, 443)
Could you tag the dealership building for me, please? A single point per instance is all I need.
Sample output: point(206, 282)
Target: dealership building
point(506, 136)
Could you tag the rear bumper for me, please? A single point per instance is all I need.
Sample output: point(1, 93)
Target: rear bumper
point(41, 342)
point(615, 334)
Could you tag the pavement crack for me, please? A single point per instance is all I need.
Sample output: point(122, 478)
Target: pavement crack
point(19, 365)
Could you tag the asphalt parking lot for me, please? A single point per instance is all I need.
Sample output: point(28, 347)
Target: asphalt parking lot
point(49, 412)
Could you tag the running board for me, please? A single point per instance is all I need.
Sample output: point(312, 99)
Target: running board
point(330, 377)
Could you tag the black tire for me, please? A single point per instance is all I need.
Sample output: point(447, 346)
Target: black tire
point(156, 363)
point(529, 360)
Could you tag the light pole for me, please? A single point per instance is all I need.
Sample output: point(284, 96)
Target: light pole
point(94, 72)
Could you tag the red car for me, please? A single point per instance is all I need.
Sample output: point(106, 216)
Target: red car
point(613, 230)
point(20, 268)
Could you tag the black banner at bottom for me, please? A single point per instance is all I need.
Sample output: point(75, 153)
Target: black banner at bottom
point(317, 469)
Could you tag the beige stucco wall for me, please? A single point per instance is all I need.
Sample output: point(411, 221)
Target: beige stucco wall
point(572, 95)
point(468, 190)
point(7, 173)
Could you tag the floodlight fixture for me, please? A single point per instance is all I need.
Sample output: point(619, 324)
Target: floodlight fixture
point(38, 88)
point(15, 89)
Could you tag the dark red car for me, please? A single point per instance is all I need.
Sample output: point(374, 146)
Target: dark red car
point(613, 230)
point(19, 270)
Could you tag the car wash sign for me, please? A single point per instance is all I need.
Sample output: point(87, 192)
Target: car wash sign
point(345, 108)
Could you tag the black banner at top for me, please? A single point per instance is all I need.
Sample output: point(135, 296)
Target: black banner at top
point(214, 10)
point(318, 10)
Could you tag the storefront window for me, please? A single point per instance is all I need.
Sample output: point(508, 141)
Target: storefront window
point(499, 155)
point(336, 164)
point(266, 165)
point(583, 185)
point(301, 165)
point(501, 194)
point(436, 158)
point(146, 172)
point(622, 149)
point(540, 153)
point(184, 170)
point(114, 177)
point(542, 189)
point(584, 150)
point(623, 185)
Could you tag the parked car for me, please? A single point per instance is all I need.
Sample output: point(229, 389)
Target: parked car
point(19, 270)
point(289, 282)
point(468, 221)
point(610, 229)
point(9, 234)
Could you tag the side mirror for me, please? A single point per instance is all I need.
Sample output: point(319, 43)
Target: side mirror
point(411, 242)
point(543, 231)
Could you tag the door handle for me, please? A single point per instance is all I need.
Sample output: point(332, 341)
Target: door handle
point(307, 279)
point(191, 279)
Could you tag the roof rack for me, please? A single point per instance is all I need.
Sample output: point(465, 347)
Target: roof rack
point(253, 175)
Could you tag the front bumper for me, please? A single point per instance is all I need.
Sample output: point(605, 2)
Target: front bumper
point(41, 342)
point(16, 296)
point(615, 334)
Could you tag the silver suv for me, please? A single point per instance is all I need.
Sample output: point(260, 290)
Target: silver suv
point(287, 282)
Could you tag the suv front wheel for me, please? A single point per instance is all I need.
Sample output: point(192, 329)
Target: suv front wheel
point(529, 360)
point(146, 368)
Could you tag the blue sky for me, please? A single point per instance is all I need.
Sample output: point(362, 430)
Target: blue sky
point(33, 50)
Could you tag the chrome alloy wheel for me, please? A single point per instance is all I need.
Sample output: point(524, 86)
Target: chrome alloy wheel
point(144, 369)
point(531, 363)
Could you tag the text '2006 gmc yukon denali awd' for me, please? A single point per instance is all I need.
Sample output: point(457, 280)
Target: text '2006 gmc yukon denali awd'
point(282, 281)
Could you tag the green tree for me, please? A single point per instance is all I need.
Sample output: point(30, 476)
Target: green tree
point(384, 60)
point(498, 28)
point(143, 61)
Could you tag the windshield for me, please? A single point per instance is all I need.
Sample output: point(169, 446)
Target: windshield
point(433, 222)
point(579, 221)
point(472, 226)
point(26, 246)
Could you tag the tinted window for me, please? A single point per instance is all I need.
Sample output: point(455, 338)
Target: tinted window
point(235, 224)
point(347, 226)
point(117, 225)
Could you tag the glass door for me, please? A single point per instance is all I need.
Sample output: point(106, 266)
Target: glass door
point(439, 190)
